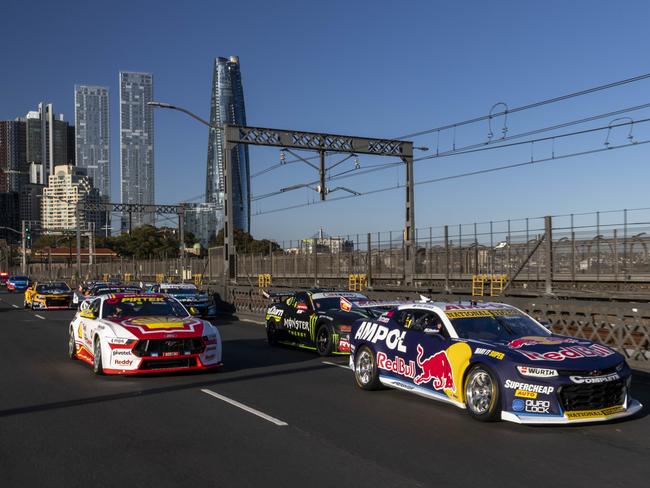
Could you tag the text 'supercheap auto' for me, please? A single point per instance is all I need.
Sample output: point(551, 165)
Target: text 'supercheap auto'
point(491, 359)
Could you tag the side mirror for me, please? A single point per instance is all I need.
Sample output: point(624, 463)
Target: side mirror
point(193, 311)
point(87, 314)
point(431, 331)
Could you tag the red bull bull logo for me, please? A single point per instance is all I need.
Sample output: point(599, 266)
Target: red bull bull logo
point(436, 369)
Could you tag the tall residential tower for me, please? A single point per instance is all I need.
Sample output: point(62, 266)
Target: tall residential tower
point(92, 135)
point(227, 107)
point(136, 144)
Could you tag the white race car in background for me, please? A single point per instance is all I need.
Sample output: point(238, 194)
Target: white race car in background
point(134, 334)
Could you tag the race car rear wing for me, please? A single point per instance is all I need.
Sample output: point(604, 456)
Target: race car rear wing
point(347, 305)
point(277, 295)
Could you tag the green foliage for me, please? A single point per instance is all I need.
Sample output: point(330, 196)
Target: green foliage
point(246, 244)
point(144, 242)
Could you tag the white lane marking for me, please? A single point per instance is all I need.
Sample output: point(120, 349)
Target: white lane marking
point(246, 408)
point(14, 305)
point(252, 321)
point(39, 316)
point(339, 365)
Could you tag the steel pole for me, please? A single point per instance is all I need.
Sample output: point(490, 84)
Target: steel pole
point(409, 231)
point(78, 212)
point(23, 247)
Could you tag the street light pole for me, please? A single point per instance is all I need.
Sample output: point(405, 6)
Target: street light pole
point(228, 244)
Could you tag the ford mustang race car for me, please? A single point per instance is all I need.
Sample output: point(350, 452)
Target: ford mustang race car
point(314, 320)
point(189, 295)
point(493, 360)
point(136, 333)
point(17, 283)
point(49, 295)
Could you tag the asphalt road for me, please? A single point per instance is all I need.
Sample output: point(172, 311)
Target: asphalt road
point(62, 426)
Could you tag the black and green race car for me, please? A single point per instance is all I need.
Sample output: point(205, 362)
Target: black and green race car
point(317, 320)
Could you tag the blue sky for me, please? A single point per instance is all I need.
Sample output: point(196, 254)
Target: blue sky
point(376, 68)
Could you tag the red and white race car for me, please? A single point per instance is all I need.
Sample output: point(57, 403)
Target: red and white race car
point(135, 334)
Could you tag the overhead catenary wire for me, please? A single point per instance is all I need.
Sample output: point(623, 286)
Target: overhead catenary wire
point(462, 175)
point(505, 112)
point(459, 152)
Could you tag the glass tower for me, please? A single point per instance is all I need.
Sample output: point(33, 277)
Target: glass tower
point(92, 135)
point(136, 145)
point(227, 107)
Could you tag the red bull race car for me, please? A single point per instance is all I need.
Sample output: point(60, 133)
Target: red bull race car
point(493, 360)
point(135, 334)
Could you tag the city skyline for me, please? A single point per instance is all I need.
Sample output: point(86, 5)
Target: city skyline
point(540, 58)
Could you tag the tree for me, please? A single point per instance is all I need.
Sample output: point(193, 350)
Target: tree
point(245, 243)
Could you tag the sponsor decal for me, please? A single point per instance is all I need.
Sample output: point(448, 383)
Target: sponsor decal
point(517, 385)
point(436, 369)
point(467, 314)
point(397, 365)
point(383, 319)
point(155, 323)
point(373, 332)
point(595, 379)
point(142, 299)
point(123, 362)
point(569, 352)
point(590, 414)
point(344, 345)
point(525, 394)
point(540, 340)
point(345, 304)
point(275, 311)
point(490, 353)
point(537, 372)
point(290, 323)
point(537, 406)
point(121, 352)
point(518, 405)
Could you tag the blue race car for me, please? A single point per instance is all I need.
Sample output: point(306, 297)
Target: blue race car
point(493, 360)
point(17, 283)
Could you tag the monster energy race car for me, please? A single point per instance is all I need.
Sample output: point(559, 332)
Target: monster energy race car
point(317, 320)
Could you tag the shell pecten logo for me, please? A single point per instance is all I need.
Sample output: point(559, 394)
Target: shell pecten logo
point(159, 323)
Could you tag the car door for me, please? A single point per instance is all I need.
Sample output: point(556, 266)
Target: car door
point(295, 320)
point(427, 342)
point(87, 325)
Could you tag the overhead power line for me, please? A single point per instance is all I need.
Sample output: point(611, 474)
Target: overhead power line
point(495, 115)
point(380, 167)
point(462, 175)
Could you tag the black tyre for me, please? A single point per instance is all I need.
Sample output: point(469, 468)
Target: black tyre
point(98, 367)
point(72, 345)
point(482, 394)
point(365, 369)
point(271, 333)
point(324, 340)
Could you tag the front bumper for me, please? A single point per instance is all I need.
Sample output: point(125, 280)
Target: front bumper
point(630, 407)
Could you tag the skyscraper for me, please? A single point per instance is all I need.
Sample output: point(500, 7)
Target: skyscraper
point(227, 107)
point(13, 157)
point(136, 144)
point(92, 135)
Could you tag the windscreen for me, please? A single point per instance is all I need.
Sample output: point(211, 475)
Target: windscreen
point(494, 325)
point(116, 289)
point(142, 306)
point(52, 287)
point(180, 291)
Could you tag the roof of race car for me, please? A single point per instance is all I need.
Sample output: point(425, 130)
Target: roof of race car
point(179, 286)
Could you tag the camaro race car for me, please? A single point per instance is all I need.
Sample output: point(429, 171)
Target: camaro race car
point(50, 295)
point(136, 333)
point(493, 360)
point(314, 320)
point(189, 295)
